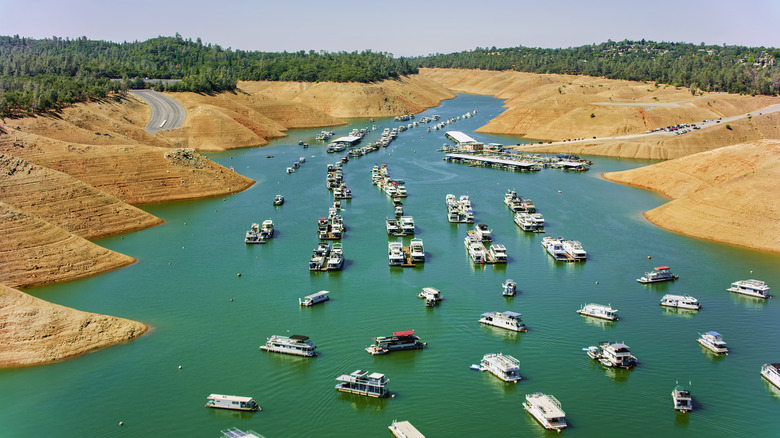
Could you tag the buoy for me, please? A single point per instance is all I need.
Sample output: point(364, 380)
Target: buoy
point(185, 223)
point(751, 271)
point(648, 257)
point(560, 191)
point(231, 300)
point(238, 275)
point(597, 282)
point(179, 366)
point(121, 423)
point(392, 396)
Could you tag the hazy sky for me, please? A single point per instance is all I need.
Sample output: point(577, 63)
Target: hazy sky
point(403, 28)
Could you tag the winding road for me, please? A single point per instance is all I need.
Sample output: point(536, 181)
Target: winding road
point(167, 113)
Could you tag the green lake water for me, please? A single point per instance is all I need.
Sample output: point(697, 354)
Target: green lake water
point(211, 322)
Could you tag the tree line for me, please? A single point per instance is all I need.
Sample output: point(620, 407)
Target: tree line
point(39, 75)
point(732, 69)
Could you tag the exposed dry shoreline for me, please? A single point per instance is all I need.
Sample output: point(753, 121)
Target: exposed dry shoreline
point(76, 176)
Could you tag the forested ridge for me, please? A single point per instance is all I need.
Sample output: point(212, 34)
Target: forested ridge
point(39, 75)
point(733, 69)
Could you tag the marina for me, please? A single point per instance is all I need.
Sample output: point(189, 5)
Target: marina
point(195, 289)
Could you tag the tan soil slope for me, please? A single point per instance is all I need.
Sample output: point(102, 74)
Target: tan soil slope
point(728, 195)
point(34, 252)
point(34, 331)
point(66, 201)
point(558, 107)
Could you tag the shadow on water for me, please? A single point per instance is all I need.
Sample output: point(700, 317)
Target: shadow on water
point(748, 301)
point(363, 403)
point(682, 313)
point(598, 322)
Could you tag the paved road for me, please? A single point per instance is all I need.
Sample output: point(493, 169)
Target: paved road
point(167, 113)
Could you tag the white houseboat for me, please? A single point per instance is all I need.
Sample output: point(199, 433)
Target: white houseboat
point(546, 409)
point(659, 273)
point(253, 235)
point(599, 311)
point(407, 224)
point(417, 251)
point(574, 249)
point(615, 355)
point(267, 229)
point(393, 227)
point(506, 320)
point(554, 247)
point(483, 233)
point(404, 429)
point(510, 287)
point(403, 340)
point(505, 367)
point(310, 300)
point(319, 258)
point(395, 254)
point(362, 383)
point(430, 295)
point(754, 288)
point(220, 401)
point(498, 252)
point(296, 344)
point(714, 342)
point(683, 401)
point(771, 372)
point(278, 200)
point(336, 257)
point(680, 301)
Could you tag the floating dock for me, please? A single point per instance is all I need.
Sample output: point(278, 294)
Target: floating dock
point(407, 258)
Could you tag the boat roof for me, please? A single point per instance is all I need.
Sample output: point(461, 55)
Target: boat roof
point(404, 333)
point(229, 397)
point(662, 268)
point(300, 338)
point(712, 333)
point(512, 314)
point(406, 429)
point(620, 346)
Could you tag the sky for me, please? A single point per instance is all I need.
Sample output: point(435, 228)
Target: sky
point(402, 28)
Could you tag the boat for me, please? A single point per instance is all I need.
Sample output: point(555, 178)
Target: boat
point(315, 298)
point(395, 254)
point(302, 159)
point(771, 372)
point(253, 235)
point(680, 301)
point(546, 409)
point(476, 251)
point(554, 247)
point(399, 211)
point(615, 355)
point(407, 224)
point(278, 200)
point(753, 288)
point(430, 295)
point(714, 342)
point(483, 233)
point(234, 402)
point(235, 432)
point(267, 229)
point(336, 257)
point(525, 221)
point(296, 344)
point(510, 287)
point(505, 367)
point(393, 227)
point(574, 249)
point(404, 429)
point(599, 311)
point(400, 191)
point(417, 251)
point(659, 273)
point(319, 258)
point(498, 253)
point(506, 320)
point(403, 340)
point(362, 383)
point(681, 396)
point(290, 170)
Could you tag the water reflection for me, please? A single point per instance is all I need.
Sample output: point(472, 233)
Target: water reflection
point(748, 301)
point(598, 322)
point(676, 311)
point(773, 390)
point(508, 335)
point(361, 403)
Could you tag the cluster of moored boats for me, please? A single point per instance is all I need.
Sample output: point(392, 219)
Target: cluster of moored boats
point(260, 233)
point(296, 164)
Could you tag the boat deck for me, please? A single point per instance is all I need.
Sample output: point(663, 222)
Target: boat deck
point(489, 258)
point(408, 263)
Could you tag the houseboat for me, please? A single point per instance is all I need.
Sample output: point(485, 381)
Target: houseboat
point(316, 298)
point(510, 288)
point(505, 367)
point(319, 258)
point(430, 295)
point(234, 402)
point(498, 253)
point(290, 170)
point(407, 225)
point(574, 249)
point(393, 227)
point(417, 251)
point(680, 301)
point(296, 344)
point(659, 273)
point(683, 401)
point(753, 288)
point(546, 409)
point(615, 355)
point(253, 235)
point(554, 247)
point(403, 340)
point(395, 254)
point(362, 383)
point(278, 200)
point(399, 211)
point(404, 429)
point(483, 233)
point(267, 229)
point(505, 320)
point(599, 311)
point(771, 372)
point(714, 342)
point(336, 257)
